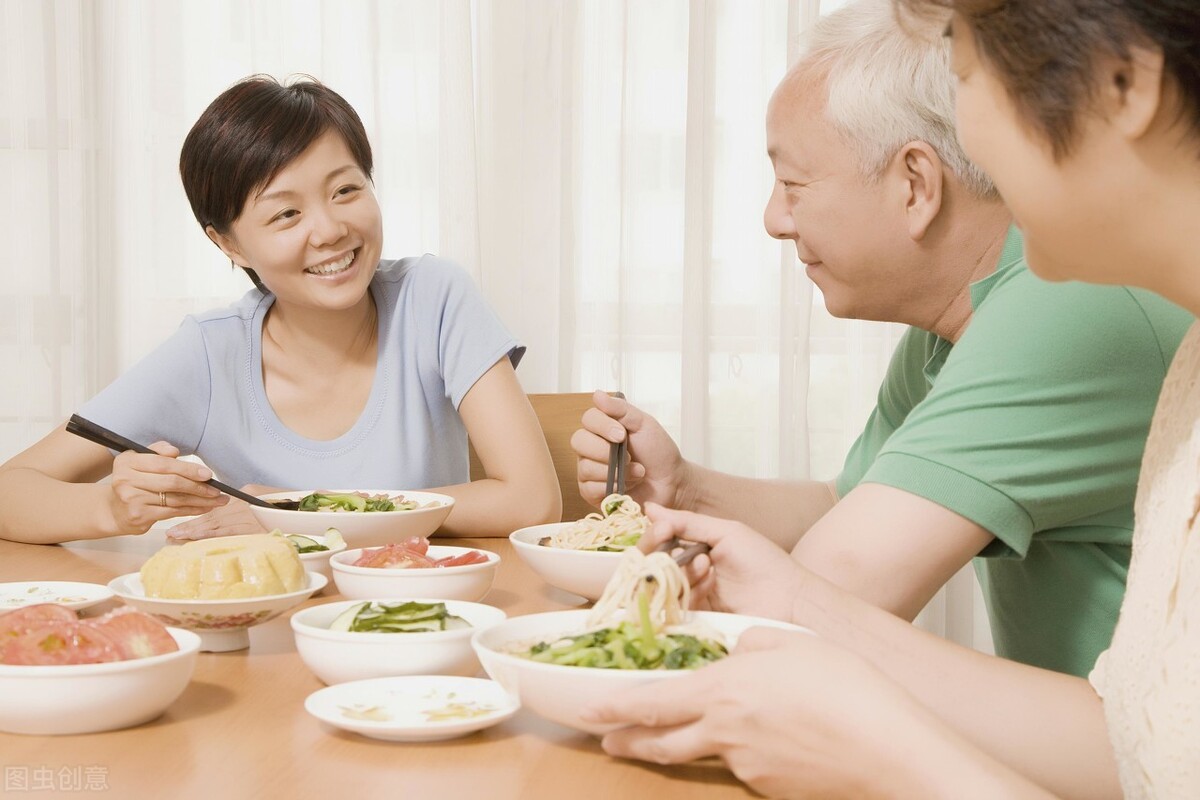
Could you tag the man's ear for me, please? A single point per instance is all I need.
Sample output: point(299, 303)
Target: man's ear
point(228, 246)
point(1132, 90)
point(919, 170)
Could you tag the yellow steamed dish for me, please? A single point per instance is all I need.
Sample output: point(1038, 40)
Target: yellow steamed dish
point(224, 568)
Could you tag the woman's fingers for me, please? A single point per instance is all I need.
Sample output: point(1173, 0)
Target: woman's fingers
point(233, 520)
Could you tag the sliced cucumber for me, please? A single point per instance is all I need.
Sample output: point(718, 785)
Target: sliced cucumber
point(346, 618)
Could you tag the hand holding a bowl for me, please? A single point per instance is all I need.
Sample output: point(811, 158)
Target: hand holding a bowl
point(232, 519)
point(793, 715)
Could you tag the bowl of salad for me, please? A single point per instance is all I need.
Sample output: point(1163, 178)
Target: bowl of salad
point(555, 664)
point(315, 550)
point(365, 518)
point(63, 675)
point(358, 639)
point(415, 568)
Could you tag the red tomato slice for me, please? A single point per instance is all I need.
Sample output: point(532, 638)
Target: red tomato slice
point(473, 557)
point(136, 635)
point(393, 556)
point(417, 544)
point(30, 618)
point(61, 643)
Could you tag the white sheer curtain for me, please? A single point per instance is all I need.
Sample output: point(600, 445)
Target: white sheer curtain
point(599, 166)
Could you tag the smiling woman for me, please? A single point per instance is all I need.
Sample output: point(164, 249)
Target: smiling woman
point(337, 369)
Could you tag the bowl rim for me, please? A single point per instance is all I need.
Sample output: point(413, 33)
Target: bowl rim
point(117, 584)
point(301, 627)
point(519, 536)
point(101, 594)
point(626, 674)
point(330, 553)
point(463, 569)
point(189, 644)
point(444, 502)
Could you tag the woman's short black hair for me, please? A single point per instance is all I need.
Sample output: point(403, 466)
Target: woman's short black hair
point(253, 130)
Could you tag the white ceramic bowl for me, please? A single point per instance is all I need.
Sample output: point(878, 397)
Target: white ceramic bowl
point(340, 656)
point(87, 698)
point(221, 624)
point(582, 572)
point(557, 692)
point(366, 529)
point(319, 561)
point(470, 582)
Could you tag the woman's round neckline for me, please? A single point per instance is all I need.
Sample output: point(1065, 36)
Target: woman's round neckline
point(370, 413)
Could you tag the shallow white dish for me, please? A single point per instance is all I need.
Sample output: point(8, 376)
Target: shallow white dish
point(70, 594)
point(408, 704)
point(341, 656)
point(87, 698)
point(221, 624)
point(360, 529)
point(582, 572)
point(470, 582)
point(558, 692)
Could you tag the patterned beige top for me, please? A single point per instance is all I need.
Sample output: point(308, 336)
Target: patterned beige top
point(1150, 677)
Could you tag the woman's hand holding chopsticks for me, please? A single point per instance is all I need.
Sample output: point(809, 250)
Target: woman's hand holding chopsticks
point(149, 487)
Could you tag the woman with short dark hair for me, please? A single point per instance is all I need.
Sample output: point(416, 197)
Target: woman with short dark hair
point(340, 369)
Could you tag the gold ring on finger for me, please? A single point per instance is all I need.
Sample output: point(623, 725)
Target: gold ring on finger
point(162, 499)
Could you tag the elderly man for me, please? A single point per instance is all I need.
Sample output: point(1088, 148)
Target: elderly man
point(1014, 412)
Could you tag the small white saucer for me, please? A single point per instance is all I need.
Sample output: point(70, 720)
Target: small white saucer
point(66, 593)
point(415, 708)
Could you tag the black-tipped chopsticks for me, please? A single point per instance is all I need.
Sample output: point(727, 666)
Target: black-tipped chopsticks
point(684, 556)
point(114, 441)
point(615, 483)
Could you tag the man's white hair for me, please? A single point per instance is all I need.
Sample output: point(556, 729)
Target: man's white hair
point(888, 84)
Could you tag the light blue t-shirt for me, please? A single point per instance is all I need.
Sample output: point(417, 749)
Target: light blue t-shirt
point(202, 389)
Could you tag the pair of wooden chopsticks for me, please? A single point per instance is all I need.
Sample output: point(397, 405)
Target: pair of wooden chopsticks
point(114, 441)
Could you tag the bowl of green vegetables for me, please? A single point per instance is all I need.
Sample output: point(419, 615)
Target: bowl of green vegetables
point(555, 664)
point(366, 518)
point(358, 639)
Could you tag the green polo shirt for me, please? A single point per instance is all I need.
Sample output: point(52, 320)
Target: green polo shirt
point(1032, 425)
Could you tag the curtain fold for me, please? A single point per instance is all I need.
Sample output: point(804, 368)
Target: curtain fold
point(599, 167)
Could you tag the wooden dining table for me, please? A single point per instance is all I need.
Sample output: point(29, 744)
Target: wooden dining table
point(240, 730)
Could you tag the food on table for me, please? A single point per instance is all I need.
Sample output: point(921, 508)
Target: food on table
point(350, 501)
point(619, 525)
point(225, 568)
point(640, 622)
point(372, 617)
point(50, 635)
point(371, 714)
point(30, 618)
point(137, 635)
point(413, 553)
point(305, 544)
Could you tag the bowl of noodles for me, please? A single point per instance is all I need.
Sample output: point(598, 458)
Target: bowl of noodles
point(580, 557)
point(640, 631)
